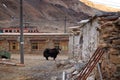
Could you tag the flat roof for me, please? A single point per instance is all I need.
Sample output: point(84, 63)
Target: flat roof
point(42, 34)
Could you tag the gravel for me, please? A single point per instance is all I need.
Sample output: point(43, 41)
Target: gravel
point(36, 68)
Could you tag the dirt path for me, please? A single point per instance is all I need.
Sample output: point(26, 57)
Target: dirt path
point(36, 68)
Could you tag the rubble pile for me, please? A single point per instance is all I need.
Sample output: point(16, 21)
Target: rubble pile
point(71, 68)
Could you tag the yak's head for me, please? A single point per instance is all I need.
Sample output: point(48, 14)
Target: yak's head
point(58, 49)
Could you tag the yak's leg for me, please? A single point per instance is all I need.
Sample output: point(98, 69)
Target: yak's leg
point(46, 58)
point(54, 57)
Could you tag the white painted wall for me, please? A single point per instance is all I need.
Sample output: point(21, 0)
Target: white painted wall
point(90, 40)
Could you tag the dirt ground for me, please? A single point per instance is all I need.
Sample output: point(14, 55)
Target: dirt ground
point(36, 68)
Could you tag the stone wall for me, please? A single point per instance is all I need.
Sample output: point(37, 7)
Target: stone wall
point(110, 38)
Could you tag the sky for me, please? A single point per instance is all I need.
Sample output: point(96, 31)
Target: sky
point(112, 3)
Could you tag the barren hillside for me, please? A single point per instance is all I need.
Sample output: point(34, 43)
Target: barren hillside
point(47, 15)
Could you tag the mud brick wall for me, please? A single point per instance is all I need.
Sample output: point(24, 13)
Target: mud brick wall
point(110, 38)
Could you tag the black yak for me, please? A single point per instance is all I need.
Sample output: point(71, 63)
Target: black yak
point(51, 53)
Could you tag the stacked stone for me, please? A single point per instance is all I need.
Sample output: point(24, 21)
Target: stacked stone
point(110, 38)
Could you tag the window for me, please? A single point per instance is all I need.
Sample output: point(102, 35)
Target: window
point(37, 45)
point(10, 30)
point(18, 31)
point(13, 45)
point(14, 30)
point(34, 46)
point(6, 30)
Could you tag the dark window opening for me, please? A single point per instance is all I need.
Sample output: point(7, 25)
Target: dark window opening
point(6, 30)
point(34, 46)
point(10, 30)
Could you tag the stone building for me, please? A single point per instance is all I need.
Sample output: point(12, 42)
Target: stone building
point(101, 31)
point(34, 42)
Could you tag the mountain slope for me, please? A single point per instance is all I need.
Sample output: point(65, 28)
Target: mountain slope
point(47, 15)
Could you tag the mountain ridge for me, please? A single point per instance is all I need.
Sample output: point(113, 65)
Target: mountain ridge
point(47, 15)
